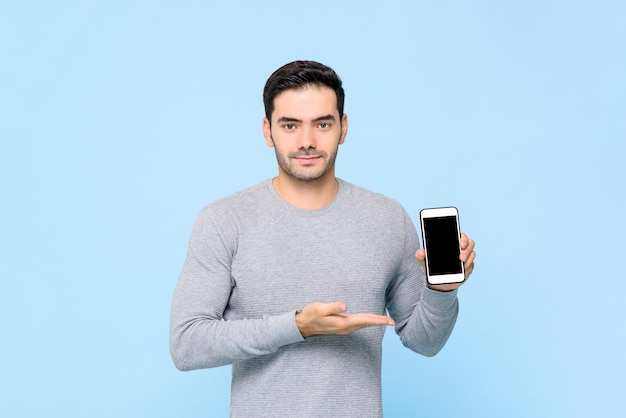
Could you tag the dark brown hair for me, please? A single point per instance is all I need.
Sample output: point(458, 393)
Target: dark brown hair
point(298, 75)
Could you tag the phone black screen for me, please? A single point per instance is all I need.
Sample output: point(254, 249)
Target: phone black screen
point(442, 241)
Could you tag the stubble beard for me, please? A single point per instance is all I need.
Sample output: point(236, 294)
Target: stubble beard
point(306, 174)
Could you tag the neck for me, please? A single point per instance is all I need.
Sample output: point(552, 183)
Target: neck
point(308, 195)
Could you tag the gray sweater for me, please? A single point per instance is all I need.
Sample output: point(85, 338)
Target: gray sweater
point(254, 260)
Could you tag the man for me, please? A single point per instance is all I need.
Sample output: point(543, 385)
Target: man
point(289, 280)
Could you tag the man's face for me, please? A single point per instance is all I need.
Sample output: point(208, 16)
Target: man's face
point(306, 131)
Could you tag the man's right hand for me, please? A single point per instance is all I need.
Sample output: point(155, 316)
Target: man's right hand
point(329, 318)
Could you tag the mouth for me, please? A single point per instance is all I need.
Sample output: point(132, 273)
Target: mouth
point(307, 159)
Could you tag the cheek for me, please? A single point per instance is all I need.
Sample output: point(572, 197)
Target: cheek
point(281, 143)
point(279, 149)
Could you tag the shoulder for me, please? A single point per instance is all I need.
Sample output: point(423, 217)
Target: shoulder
point(244, 204)
point(245, 199)
point(369, 199)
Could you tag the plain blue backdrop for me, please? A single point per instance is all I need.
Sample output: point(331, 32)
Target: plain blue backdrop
point(120, 120)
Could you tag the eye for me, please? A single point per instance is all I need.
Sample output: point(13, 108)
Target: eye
point(289, 126)
point(324, 125)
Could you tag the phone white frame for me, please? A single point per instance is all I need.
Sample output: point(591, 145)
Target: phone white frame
point(440, 213)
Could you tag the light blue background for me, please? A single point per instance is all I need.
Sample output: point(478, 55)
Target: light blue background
point(120, 120)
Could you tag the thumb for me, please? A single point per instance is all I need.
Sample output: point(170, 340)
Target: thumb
point(421, 257)
point(335, 308)
point(420, 254)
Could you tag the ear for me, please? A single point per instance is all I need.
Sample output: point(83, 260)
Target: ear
point(267, 133)
point(344, 128)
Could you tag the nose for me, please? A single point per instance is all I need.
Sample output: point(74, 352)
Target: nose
point(307, 138)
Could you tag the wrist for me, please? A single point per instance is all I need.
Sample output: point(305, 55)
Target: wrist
point(300, 324)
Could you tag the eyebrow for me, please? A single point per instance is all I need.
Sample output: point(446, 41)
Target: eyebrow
point(326, 117)
point(284, 119)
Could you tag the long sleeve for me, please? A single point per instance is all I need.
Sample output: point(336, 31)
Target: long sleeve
point(425, 318)
point(199, 335)
point(253, 260)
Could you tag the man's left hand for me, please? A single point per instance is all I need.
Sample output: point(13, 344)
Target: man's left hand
point(467, 256)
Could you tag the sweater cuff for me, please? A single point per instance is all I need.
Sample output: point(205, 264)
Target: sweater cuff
point(287, 331)
point(440, 301)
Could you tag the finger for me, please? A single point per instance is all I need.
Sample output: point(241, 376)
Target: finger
point(467, 250)
point(470, 244)
point(362, 320)
point(448, 287)
point(469, 264)
point(377, 319)
point(334, 308)
point(383, 320)
point(469, 270)
point(464, 241)
point(471, 257)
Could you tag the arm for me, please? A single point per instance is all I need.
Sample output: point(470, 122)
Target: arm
point(424, 317)
point(199, 337)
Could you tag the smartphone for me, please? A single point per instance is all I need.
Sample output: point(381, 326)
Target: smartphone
point(441, 237)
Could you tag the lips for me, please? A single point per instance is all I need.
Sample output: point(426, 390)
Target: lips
point(308, 158)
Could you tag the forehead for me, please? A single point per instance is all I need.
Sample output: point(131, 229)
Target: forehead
point(309, 102)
